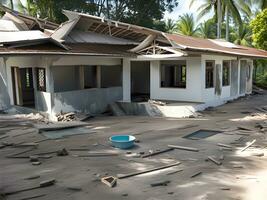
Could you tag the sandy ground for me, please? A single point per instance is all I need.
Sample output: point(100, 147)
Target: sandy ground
point(242, 175)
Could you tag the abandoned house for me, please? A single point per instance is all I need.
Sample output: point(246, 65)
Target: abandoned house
point(88, 63)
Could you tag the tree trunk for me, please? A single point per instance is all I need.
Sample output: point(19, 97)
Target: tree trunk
point(108, 11)
point(219, 13)
point(227, 23)
point(11, 4)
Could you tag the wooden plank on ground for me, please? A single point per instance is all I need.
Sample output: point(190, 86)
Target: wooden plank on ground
point(183, 148)
point(214, 160)
point(246, 147)
point(225, 145)
point(148, 170)
point(158, 152)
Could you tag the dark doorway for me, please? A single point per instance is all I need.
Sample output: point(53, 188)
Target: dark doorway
point(23, 90)
point(140, 81)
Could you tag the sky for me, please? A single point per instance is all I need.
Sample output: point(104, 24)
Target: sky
point(183, 8)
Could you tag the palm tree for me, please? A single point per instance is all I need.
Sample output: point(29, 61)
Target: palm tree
point(186, 25)
point(228, 8)
point(8, 3)
point(243, 35)
point(170, 26)
point(207, 29)
point(246, 7)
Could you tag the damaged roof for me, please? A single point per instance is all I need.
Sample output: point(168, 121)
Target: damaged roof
point(90, 35)
point(213, 46)
point(32, 23)
point(73, 49)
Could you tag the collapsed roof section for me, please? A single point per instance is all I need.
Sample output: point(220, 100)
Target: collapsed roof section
point(26, 22)
point(84, 30)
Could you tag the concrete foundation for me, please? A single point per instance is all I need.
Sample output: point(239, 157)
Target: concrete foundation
point(174, 110)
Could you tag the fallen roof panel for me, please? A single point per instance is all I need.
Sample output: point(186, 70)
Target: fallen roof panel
point(19, 36)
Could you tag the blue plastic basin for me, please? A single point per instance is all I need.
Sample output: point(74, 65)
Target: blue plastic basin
point(122, 141)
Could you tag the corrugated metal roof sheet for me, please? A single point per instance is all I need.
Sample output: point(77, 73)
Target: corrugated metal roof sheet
point(75, 49)
point(205, 45)
point(76, 36)
point(7, 25)
point(21, 36)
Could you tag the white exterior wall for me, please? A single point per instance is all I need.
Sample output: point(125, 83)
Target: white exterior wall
point(191, 93)
point(209, 97)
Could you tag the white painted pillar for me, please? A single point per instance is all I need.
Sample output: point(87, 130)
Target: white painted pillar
point(98, 76)
point(238, 76)
point(18, 86)
point(126, 79)
point(81, 77)
point(49, 80)
point(154, 78)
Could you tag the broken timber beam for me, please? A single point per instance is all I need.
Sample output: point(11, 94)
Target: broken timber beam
point(214, 160)
point(251, 143)
point(225, 145)
point(157, 152)
point(42, 184)
point(183, 148)
point(148, 170)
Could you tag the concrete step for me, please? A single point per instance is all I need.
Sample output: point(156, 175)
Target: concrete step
point(175, 110)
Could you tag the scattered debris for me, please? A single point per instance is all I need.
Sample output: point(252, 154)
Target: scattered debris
point(214, 160)
point(46, 183)
point(183, 148)
point(261, 109)
point(29, 144)
point(238, 166)
point(33, 197)
point(32, 177)
point(260, 154)
point(110, 181)
point(97, 154)
point(161, 183)
point(74, 188)
point(225, 145)
point(71, 116)
point(225, 188)
point(62, 152)
point(251, 143)
point(34, 158)
point(59, 126)
point(148, 170)
point(174, 172)
point(160, 103)
point(36, 163)
point(157, 152)
point(196, 174)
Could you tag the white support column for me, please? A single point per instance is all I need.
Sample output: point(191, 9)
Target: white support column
point(238, 76)
point(81, 77)
point(126, 80)
point(18, 87)
point(154, 78)
point(49, 80)
point(98, 76)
